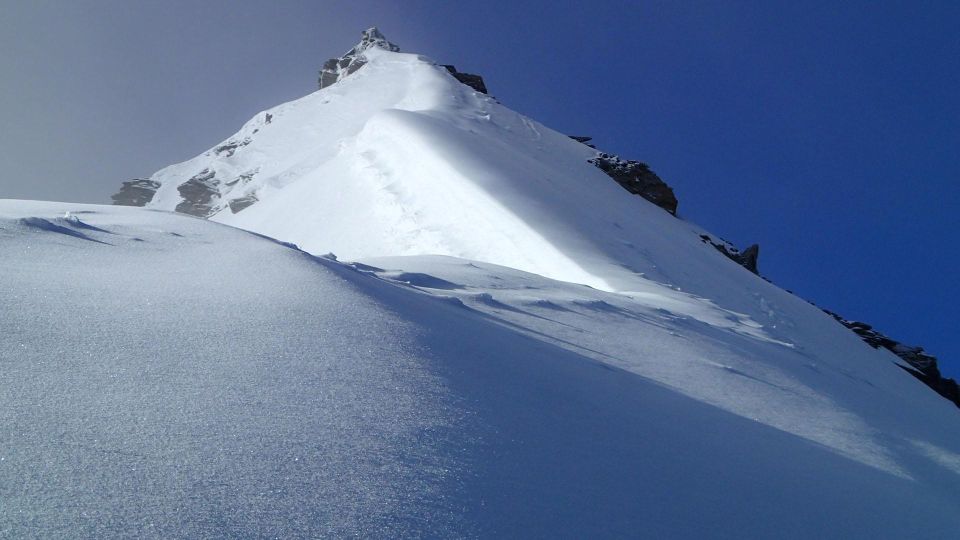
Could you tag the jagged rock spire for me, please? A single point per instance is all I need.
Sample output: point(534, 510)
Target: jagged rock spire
point(336, 69)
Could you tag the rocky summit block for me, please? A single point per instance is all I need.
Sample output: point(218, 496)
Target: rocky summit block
point(336, 69)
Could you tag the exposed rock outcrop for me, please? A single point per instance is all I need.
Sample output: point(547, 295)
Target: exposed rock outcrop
point(747, 258)
point(230, 147)
point(137, 192)
point(924, 366)
point(472, 80)
point(750, 257)
point(241, 203)
point(336, 69)
point(199, 194)
point(637, 178)
point(582, 139)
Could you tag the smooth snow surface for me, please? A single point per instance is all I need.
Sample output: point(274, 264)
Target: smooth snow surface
point(167, 376)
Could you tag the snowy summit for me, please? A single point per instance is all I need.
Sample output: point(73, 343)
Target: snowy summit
point(429, 315)
point(336, 69)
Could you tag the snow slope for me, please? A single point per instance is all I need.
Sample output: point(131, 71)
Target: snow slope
point(509, 344)
point(166, 376)
point(400, 158)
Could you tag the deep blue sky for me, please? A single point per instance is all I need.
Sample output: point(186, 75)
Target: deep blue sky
point(829, 132)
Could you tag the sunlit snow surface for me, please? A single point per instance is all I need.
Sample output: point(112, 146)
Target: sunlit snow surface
point(509, 344)
point(166, 376)
point(401, 159)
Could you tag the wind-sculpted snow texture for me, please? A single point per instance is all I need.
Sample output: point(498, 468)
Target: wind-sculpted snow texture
point(166, 376)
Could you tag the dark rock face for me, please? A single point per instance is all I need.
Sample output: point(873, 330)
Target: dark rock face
point(137, 192)
point(924, 365)
point(637, 178)
point(751, 257)
point(469, 79)
point(582, 139)
point(199, 193)
point(241, 203)
point(336, 69)
point(747, 258)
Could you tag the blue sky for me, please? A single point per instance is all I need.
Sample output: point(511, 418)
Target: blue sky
point(829, 132)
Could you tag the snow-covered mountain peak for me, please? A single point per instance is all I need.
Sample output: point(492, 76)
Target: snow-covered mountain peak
point(515, 335)
point(400, 159)
point(405, 158)
point(335, 69)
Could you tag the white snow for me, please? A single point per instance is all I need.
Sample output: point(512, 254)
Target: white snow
point(511, 345)
point(169, 376)
point(401, 159)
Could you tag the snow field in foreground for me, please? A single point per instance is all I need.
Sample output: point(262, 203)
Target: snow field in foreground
point(169, 376)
